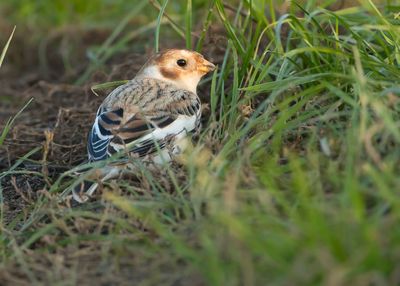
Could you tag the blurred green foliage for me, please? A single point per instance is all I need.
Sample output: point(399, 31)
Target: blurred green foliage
point(293, 181)
point(45, 13)
point(52, 13)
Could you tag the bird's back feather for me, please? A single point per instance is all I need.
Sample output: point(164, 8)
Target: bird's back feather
point(142, 117)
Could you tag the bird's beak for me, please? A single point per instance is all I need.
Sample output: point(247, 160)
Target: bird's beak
point(206, 67)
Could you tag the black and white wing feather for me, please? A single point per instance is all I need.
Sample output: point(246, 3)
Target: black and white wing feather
point(142, 132)
point(102, 133)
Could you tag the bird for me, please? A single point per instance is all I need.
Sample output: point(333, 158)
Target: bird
point(148, 118)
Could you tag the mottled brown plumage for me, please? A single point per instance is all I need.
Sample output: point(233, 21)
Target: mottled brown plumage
point(153, 112)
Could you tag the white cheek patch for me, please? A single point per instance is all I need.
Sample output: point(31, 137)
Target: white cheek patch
point(153, 72)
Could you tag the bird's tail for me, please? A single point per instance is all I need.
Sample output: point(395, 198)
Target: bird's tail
point(82, 192)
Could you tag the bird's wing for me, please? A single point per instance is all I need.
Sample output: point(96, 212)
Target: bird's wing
point(102, 133)
point(138, 135)
point(144, 132)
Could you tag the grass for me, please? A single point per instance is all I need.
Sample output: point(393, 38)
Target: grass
point(4, 51)
point(10, 121)
point(294, 180)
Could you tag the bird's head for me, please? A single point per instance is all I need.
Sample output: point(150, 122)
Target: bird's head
point(184, 68)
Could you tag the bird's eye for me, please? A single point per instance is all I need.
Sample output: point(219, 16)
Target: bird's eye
point(181, 62)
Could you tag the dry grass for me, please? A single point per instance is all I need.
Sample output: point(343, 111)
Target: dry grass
point(293, 180)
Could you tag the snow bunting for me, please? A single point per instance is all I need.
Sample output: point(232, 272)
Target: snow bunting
point(150, 116)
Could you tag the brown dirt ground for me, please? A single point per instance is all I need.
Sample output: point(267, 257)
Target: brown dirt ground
point(57, 122)
point(59, 118)
point(60, 115)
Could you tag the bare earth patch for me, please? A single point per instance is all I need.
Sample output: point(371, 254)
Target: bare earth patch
point(55, 126)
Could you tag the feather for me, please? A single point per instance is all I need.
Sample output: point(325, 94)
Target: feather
point(142, 128)
point(149, 116)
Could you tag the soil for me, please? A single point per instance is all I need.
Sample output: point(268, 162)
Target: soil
point(53, 129)
point(58, 118)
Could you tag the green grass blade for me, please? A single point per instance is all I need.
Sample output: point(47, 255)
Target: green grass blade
point(3, 53)
point(189, 21)
point(158, 26)
point(10, 122)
